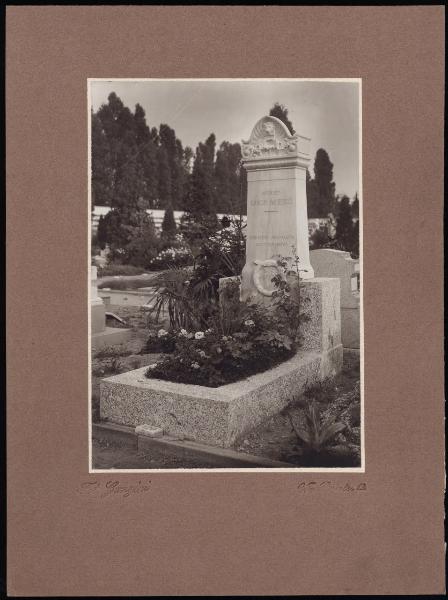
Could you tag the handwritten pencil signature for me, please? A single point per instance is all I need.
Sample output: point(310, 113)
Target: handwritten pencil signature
point(306, 486)
point(102, 489)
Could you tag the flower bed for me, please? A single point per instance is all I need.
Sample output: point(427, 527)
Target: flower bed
point(208, 358)
point(242, 339)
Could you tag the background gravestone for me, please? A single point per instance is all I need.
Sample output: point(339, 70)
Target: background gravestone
point(97, 308)
point(337, 263)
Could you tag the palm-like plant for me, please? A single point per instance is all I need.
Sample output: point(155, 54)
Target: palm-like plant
point(315, 434)
point(174, 297)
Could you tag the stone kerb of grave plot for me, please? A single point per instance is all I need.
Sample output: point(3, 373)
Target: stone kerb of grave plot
point(220, 416)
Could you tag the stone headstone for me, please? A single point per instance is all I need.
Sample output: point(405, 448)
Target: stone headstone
point(277, 220)
point(97, 309)
point(337, 263)
point(94, 297)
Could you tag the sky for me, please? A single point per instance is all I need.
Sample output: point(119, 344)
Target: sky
point(325, 111)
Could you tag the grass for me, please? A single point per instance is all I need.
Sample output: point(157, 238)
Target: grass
point(112, 351)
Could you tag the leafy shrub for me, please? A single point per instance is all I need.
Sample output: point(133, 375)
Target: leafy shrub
point(320, 239)
point(141, 251)
point(172, 257)
point(114, 365)
point(110, 365)
point(229, 245)
point(111, 351)
point(222, 254)
point(135, 362)
point(161, 341)
point(98, 371)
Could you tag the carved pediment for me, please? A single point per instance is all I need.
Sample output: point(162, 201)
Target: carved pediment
point(269, 137)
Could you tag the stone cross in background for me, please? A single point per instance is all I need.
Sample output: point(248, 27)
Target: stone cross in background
point(277, 219)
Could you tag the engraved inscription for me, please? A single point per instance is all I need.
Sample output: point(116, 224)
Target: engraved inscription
point(271, 201)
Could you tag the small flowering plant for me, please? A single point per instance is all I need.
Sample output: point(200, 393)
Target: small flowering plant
point(172, 257)
point(159, 341)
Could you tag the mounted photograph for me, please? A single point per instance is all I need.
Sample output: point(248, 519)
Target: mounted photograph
point(225, 275)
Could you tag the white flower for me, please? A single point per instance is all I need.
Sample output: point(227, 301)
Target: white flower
point(209, 331)
point(195, 365)
point(153, 366)
point(249, 323)
point(162, 333)
point(218, 350)
point(183, 332)
point(199, 335)
point(224, 338)
point(202, 353)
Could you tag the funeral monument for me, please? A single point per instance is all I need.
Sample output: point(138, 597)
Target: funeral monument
point(277, 220)
point(277, 226)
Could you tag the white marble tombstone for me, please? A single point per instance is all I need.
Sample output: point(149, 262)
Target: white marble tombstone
point(277, 219)
point(97, 308)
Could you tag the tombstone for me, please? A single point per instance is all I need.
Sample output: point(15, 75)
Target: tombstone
point(277, 220)
point(97, 308)
point(100, 334)
point(337, 263)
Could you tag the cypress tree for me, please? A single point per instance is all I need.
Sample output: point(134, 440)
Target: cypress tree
point(344, 225)
point(281, 112)
point(169, 224)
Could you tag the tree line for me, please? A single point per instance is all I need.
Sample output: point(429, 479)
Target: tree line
point(136, 167)
point(135, 164)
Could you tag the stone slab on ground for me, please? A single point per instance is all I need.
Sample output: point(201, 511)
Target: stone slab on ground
point(149, 431)
point(216, 416)
point(111, 336)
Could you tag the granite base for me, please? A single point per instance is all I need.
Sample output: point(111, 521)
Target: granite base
point(216, 416)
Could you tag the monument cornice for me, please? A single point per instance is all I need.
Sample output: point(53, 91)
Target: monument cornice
point(277, 162)
point(271, 145)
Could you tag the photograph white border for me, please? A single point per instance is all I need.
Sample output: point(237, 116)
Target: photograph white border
point(310, 470)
